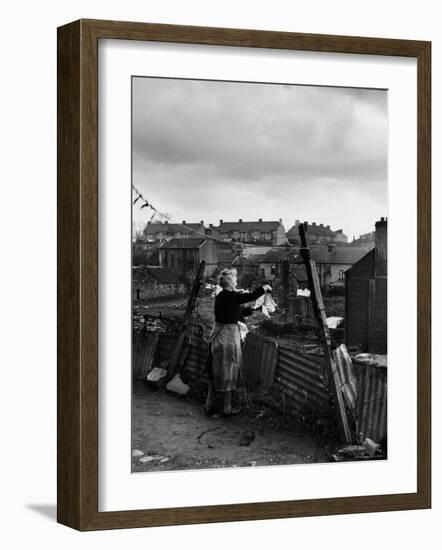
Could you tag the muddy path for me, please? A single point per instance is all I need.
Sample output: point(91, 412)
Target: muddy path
point(173, 433)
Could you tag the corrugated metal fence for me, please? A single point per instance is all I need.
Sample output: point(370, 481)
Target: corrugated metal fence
point(260, 357)
point(371, 402)
point(299, 384)
point(292, 375)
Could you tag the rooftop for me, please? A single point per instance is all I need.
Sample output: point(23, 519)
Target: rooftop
point(339, 255)
point(242, 226)
point(184, 243)
point(157, 227)
point(279, 254)
point(314, 229)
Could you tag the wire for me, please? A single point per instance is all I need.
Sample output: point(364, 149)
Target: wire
point(147, 204)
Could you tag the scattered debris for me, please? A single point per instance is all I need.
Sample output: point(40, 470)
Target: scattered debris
point(372, 359)
point(176, 385)
point(247, 439)
point(137, 453)
point(367, 451)
point(156, 374)
point(370, 446)
point(151, 458)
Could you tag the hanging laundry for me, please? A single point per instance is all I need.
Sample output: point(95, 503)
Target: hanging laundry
point(266, 303)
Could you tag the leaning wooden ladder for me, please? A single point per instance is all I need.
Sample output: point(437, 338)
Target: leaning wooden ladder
point(331, 372)
point(196, 287)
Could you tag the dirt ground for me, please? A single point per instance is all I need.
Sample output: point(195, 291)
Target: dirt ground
point(173, 433)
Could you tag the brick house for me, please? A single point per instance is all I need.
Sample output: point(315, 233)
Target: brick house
point(332, 261)
point(366, 297)
point(254, 232)
point(160, 232)
point(271, 263)
point(316, 234)
point(184, 255)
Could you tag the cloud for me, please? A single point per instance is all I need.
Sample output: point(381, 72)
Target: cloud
point(202, 141)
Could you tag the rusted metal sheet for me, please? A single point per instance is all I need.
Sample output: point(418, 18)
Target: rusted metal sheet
point(195, 363)
point(166, 345)
point(371, 402)
point(144, 348)
point(260, 356)
point(346, 376)
point(299, 383)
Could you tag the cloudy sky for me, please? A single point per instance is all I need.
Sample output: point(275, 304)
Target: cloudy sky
point(210, 150)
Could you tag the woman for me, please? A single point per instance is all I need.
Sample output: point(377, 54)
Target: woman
point(225, 341)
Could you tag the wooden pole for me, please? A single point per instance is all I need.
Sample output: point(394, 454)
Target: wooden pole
point(324, 336)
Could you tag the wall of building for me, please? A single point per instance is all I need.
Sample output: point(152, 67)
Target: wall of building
point(357, 281)
point(209, 253)
point(377, 330)
point(145, 287)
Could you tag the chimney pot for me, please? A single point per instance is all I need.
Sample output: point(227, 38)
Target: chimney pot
point(260, 220)
point(184, 222)
point(220, 222)
point(240, 220)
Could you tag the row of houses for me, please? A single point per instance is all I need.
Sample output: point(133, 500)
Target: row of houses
point(253, 263)
point(360, 271)
point(262, 232)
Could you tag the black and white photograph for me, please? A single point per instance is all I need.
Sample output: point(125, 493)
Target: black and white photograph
point(259, 274)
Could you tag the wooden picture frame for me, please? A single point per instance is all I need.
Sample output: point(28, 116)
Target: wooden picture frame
point(77, 461)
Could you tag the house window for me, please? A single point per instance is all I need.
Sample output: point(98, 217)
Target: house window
point(273, 270)
point(328, 270)
point(341, 274)
point(262, 272)
point(172, 260)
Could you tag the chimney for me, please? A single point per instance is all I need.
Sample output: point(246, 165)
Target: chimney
point(240, 220)
point(328, 227)
point(210, 225)
point(321, 225)
point(220, 222)
point(314, 223)
point(202, 222)
point(380, 246)
point(331, 248)
point(184, 222)
point(297, 222)
point(280, 221)
point(166, 222)
point(260, 220)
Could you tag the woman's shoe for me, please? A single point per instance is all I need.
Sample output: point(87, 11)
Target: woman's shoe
point(210, 411)
point(233, 412)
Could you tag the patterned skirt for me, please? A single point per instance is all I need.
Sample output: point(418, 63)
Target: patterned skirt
point(225, 349)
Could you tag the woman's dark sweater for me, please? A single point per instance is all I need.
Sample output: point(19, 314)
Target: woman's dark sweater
point(228, 304)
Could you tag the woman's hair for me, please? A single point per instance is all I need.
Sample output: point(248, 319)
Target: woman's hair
point(226, 278)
